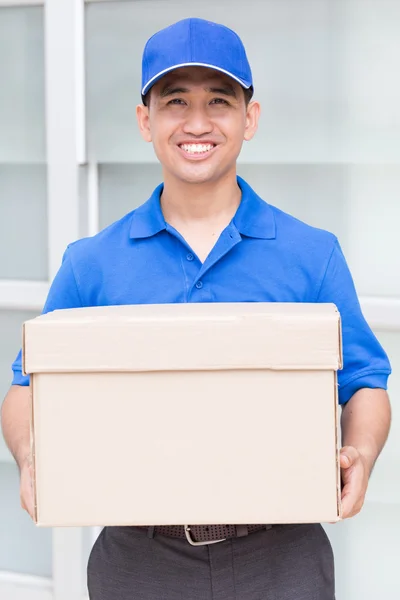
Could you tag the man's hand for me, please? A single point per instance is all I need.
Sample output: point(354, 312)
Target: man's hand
point(355, 476)
point(15, 422)
point(365, 426)
point(26, 487)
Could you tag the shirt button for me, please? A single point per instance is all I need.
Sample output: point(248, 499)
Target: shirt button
point(199, 285)
point(189, 256)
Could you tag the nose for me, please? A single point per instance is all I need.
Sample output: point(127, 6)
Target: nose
point(197, 122)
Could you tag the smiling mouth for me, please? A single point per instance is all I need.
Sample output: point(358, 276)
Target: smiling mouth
point(197, 149)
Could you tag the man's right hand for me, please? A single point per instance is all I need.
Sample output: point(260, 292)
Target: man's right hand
point(15, 421)
point(26, 488)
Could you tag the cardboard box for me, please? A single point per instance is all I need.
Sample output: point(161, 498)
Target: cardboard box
point(185, 414)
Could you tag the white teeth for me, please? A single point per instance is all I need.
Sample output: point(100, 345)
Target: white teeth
point(197, 148)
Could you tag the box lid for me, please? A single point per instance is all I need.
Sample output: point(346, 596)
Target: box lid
point(193, 336)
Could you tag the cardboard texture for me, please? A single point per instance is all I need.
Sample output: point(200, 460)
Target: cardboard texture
point(185, 414)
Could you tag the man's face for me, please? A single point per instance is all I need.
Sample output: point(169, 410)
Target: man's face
point(197, 120)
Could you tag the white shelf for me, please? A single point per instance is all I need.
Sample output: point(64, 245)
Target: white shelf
point(18, 586)
point(20, 160)
point(14, 3)
point(146, 158)
point(23, 295)
point(382, 314)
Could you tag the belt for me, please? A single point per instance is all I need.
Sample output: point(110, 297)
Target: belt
point(200, 535)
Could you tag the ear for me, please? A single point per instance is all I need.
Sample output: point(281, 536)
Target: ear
point(142, 115)
point(252, 116)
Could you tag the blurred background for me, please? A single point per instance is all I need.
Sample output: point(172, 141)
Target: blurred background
point(71, 162)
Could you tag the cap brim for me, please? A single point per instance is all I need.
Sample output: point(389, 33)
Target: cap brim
point(245, 84)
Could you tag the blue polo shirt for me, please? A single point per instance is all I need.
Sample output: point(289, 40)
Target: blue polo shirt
point(263, 255)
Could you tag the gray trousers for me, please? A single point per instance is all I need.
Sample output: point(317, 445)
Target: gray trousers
point(287, 562)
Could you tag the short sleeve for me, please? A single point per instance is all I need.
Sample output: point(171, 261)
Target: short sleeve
point(365, 363)
point(63, 293)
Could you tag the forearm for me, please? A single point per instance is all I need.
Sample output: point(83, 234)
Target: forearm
point(15, 422)
point(366, 422)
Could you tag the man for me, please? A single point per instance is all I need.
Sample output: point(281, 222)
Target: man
point(205, 236)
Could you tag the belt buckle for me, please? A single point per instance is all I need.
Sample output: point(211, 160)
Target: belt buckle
point(192, 542)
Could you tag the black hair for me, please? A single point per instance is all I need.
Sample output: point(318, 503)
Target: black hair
point(248, 94)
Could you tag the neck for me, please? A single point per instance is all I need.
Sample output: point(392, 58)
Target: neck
point(200, 202)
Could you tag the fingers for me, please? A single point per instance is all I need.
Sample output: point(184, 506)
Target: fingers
point(349, 501)
point(27, 503)
point(351, 506)
point(26, 491)
point(348, 456)
point(353, 492)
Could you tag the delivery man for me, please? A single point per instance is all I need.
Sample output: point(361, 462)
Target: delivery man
point(205, 236)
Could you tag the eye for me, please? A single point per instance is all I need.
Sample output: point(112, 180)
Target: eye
point(177, 101)
point(219, 101)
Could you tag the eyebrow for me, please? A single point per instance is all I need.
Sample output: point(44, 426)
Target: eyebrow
point(170, 91)
point(226, 90)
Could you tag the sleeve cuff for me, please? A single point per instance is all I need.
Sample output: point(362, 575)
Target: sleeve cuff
point(20, 379)
point(377, 380)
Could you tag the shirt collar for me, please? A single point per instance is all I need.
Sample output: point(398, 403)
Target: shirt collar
point(254, 217)
point(148, 219)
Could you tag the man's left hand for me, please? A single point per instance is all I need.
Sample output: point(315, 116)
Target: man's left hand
point(355, 476)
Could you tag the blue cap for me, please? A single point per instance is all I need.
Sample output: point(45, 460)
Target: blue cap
point(195, 42)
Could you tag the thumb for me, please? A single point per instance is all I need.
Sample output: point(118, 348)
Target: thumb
point(348, 455)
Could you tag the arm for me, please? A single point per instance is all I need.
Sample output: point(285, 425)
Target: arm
point(15, 422)
point(365, 423)
point(15, 419)
point(362, 385)
point(16, 409)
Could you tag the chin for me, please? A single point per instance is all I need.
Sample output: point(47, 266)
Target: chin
point(196, 180)
point(197, 176)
